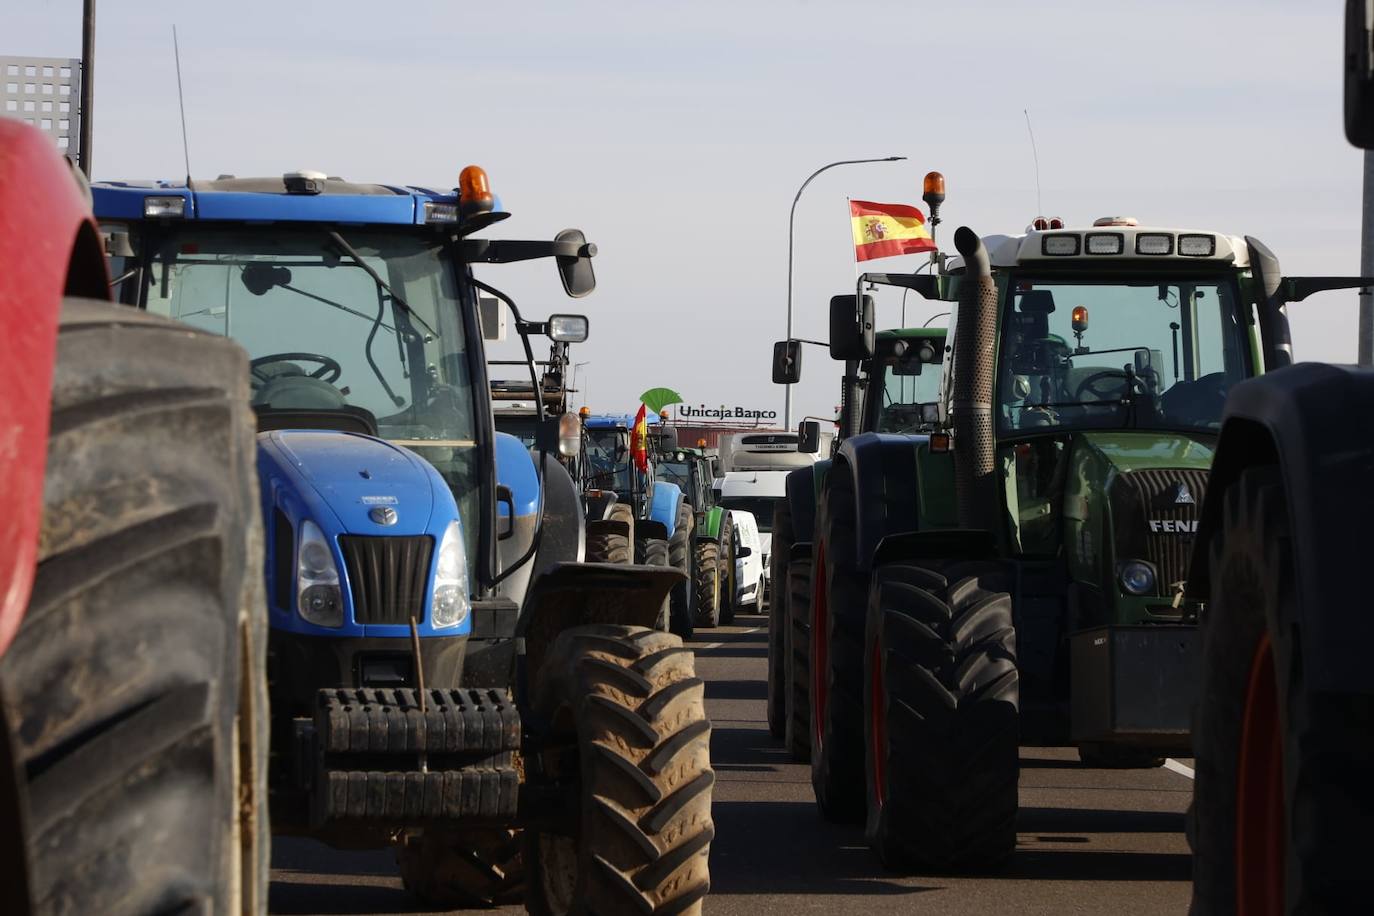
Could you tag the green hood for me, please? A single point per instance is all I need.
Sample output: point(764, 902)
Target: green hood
point(1148, 450)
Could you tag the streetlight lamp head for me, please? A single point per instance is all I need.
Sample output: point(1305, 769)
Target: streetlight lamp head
point(894, 158)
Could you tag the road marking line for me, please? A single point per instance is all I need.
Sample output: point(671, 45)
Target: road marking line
point(717, 645)
point(1181, 769)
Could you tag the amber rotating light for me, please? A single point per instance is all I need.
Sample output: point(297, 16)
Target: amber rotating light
point(933, 193)
point(474, 191)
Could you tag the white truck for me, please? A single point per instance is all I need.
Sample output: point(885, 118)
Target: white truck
point(750, 496)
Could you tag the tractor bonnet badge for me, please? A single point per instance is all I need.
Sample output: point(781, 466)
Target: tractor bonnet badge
point(382, 515)
point(1182, 495)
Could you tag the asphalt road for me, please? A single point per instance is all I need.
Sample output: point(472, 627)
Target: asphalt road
point(1090, 841)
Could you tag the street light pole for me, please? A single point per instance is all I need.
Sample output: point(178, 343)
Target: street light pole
point(791, 218)
point(86, 94)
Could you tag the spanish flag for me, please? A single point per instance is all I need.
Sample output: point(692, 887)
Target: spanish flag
point(639, 441)
point(887, 230)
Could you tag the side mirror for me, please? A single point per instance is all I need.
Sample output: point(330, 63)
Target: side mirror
point(851, 327)
point(787, 362)
point(667, 438)
point(808, 437)
point(576, 270)
point(1359, 75)
point(744, 552)
point(492, 317)
point(568, 328)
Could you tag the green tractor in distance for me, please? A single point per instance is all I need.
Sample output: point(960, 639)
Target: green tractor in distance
point(1019, 577)
point(895, 392)
point(714, 550)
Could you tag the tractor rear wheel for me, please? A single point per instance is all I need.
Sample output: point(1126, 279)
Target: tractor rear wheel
point(777, 618)
point(631, 737)
point(682, 613)
point(464, 868)
point(797, 657)
point(839, 604)
point(612, 547)
point(708, 583)
point(1282, 800)
point(940, 716)
point(729, 575)
point(654, 552)
point(135, 692)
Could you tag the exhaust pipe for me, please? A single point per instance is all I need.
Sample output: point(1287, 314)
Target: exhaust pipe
point(975, 348)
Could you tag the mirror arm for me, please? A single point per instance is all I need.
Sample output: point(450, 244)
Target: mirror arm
point(507, 251)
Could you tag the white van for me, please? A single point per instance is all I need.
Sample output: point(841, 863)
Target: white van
point(754, 492)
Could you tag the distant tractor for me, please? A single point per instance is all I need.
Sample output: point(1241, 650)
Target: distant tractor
point(714, 550)
point(445, 676)
point(1018, 574)
point(634, 516)
point(133, 748)
point(893, 392)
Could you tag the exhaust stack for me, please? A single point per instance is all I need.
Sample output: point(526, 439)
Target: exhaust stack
point(974, 370)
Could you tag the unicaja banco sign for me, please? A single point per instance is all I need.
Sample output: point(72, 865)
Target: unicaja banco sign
point(702, 412)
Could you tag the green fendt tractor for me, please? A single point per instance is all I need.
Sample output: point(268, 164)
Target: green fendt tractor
point(1018, 576)
point(896, 393)
point(713, 544)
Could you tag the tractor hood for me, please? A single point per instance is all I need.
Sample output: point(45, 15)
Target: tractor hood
point(347, 481)
point(1148, 450)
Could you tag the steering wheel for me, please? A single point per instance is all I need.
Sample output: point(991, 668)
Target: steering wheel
point(329, 370)
point(1093, 385)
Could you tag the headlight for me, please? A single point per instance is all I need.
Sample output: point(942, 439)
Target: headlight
point(318, 599)
point(1137, 578)
point(449, 604)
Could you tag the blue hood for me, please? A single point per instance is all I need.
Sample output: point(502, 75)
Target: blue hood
point(346, 475)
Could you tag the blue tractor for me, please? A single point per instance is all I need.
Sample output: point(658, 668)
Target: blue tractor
point(444, 673)
point(632, 516)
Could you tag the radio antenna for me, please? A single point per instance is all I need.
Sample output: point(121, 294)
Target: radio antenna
point(181, 101)
point(1035, 156)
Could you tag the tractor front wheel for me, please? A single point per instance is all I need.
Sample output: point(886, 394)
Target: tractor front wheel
point(708, 583)
point(797, 659)
point(682, 613)
point(941, 716)
point(654, 552)
point(729, 575)
point(631, 737)
point(610, 546)
point(135, 691)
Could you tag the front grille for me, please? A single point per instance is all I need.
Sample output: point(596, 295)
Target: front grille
point(387, 576)
point(1140, 498)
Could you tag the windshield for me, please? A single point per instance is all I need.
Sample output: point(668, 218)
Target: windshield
point(1092, 354)
point(608, 461)
point(760, 506)
point(323, 337)
point(678, 472)
point(908, 387)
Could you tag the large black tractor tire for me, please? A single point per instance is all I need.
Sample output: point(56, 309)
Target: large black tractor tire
point(1283, 805)
point(609, 547)
point(135, 692)
point(629, 721)
point(464, 868)
point(654, 552)
point(777, 618)
point(797, 653)
point(708, 583)
point(729, 575)
point(682, 599)
point(941, 717)
point(839, 606)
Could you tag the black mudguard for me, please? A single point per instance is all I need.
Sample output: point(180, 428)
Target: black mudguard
point(801, 500)
point(648, 528)
point(574, 594)
point(1312, 420)
point(599, 503)
point(563, 538)
point(883, 468)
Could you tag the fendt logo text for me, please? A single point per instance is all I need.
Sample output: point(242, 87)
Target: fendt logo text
point(1169, 526)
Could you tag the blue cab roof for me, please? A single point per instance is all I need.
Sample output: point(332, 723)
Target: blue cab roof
point(267, 199)
point(618, 421)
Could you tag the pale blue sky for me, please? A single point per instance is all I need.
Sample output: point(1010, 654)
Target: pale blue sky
point(676, 134)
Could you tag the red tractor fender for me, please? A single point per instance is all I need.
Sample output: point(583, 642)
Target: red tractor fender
point(49, 247)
